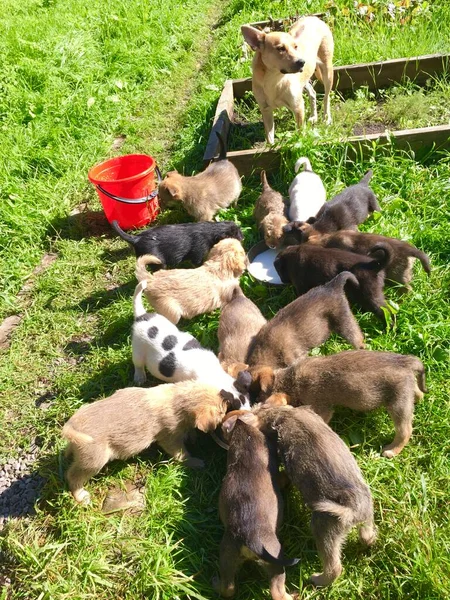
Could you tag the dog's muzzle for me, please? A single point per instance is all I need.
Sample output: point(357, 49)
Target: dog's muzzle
point(297, 67)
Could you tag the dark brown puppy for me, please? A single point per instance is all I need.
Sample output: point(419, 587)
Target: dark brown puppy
point(358, 379)
point(307, 323)
point(306, 266)
point(269, 213)
point(240, 321)
point(251, 508)
point(321, 466)
point(399, 269)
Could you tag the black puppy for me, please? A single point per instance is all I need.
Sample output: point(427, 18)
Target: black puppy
point(306, 266)
point(345, 211)
point(186, 241)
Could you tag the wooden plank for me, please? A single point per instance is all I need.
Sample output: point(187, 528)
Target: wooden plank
point(222, 120)
point(280, 24)
point(250, 161)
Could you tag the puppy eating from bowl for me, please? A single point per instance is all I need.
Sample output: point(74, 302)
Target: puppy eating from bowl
point(269, 213)
point(307, 194)
point(173, 355)
point(202, 195)
point(190, 292)
point(132, 419)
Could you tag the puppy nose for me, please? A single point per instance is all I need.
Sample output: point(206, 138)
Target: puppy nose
point(300, 63)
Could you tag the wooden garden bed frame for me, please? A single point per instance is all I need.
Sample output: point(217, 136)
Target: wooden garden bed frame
point(374, 76)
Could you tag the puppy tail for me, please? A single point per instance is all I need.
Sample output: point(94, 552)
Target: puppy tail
point(341, 279)
point(303, 161)
point(74, 436)
point(138, 307)
point(141, 271)
point(265, 183)
point(284, 562)
point(343, 513)
point(223, 147)
point(367, 177)
point(424, 258)
point(131, 239)
point(417, 366)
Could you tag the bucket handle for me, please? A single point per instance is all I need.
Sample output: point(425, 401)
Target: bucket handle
point(134, 200)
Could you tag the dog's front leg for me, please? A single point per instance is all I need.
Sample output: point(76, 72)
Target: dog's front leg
point(313, 102)
point(269, 127)
point(176, 448)
point(299, 112)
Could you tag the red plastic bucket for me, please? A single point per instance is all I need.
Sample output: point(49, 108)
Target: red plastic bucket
point(127, 189)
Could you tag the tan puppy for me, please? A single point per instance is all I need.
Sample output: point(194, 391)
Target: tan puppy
point(283, 66)
point(269, 213)
point(202, 195)
point(358, 379)
point(131, 420)
point(240, 321)
point(190, 292)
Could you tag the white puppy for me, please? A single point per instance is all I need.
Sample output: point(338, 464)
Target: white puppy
point(173, 355)
point(306, 193)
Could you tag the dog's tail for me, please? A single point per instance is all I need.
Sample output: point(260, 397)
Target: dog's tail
point(382, 256)
point(367, 177)
point(343, 513)
point(424, 258)
point(223, 147)
point(303, 161)
point(416, 365)
point(342, 278)
point(138, 306)
point(74, 436)
point(140, 270)
point(131, 239)
point(283, 562)
point(265, 183)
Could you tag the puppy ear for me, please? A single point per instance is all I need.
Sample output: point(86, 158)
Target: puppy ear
point(173, 190)
point(278, 399)
point(207, 418)
point(253, 37)
point(234, 369)
point(288, 228)
point(243, 415)
point(264, 377)
point(311, 220)
point(174, 172)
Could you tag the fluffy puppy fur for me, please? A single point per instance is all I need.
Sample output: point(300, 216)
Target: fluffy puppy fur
point(399, 269)
point(323, 469)
point(172, 244)
point(306, 323)
point(173, 355)
point(239, 323)
point(306, 266)
point(345, 211)
point(269, 213)
point(307, 194)
point(251, 509)
point(202, 195)
point(359, 379)
point(190, 292)
point(131, 420)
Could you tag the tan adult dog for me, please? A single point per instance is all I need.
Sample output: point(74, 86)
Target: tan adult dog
point(284, 64)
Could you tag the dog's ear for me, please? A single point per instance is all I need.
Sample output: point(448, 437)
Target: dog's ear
point(173, 189)
point(311, 220)
point(243, 415)
point(263, 377)
point(175, 172)
point(253, 37)
point(207, 418)
point(233, 403)
point(234, 369)
point(278, 399)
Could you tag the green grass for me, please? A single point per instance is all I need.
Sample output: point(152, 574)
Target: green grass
point(167, 67)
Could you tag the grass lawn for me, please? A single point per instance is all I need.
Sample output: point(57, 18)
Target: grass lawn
point(77, 77)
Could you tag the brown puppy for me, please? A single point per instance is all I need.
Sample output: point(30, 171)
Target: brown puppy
point(321, 466)
point(283, 66)
point(269, 213)
point(240, 320)
point(131, 420)
point(306, 266)
point(190, 292)
point(306, 323)
point(358, 379)
point(399, 269)
point(251, 507)
point(202, 195)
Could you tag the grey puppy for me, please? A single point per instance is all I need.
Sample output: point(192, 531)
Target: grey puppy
point(251, 508)
point(358, 379)
point(321, 466)
point(306, 323)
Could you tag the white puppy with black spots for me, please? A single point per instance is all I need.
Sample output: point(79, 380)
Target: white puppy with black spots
point(173, 355)
point(306, 193)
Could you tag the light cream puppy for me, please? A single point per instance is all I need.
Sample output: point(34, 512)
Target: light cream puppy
point(307, 193)
point(283, 66)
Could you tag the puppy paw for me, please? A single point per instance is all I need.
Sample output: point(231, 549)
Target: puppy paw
point(139, 378)
point(195, 463)
point(390, 451)
point(328, 120)
point(368, 535)
point(217, 587)
point(312, 119)
point(82, 497)
point(322, 580)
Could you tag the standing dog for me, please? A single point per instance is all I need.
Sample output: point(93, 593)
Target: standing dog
point(202, 195)
point(190, 292)
point(251, 508)
point(307, 194)
point(269, 213)
point(306, 323)
point(283, 66)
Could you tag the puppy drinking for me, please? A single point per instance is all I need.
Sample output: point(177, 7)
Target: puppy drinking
point(306, 323)
point(173, 355)
point(202, 195)
point(172, 244)
point(269, 213)
point(323, 469)
point(190, 292)
point(251, 508)
point(359, 379)
point(307, 194)
point(131, 420)
point(283, 66)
